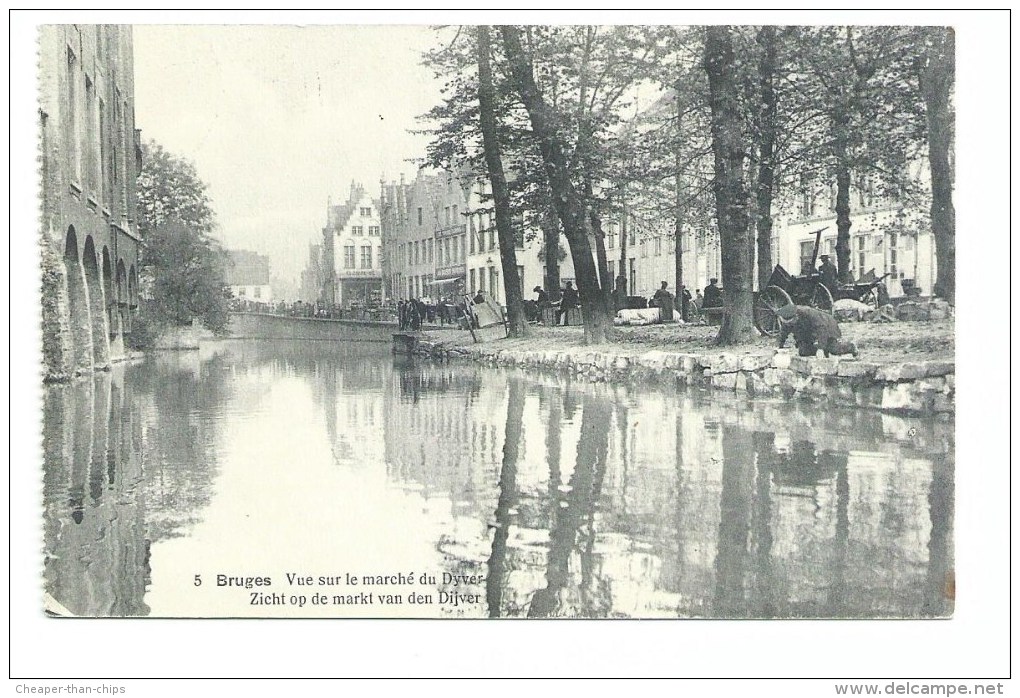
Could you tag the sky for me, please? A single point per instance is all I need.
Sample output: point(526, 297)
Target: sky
point(277, 119)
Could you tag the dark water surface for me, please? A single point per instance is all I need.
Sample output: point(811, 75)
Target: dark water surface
point(543, 496)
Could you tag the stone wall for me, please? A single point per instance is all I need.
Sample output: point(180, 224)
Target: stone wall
point(926, 387)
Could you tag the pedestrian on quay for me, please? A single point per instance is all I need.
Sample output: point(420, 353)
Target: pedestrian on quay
point(663, 299)
point(685, 303)
point(569, 300)
point(713, 294)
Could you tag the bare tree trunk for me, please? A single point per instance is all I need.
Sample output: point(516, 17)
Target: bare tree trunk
point(500, 196)
point(624, 236)
point(599, 235)
point(678, 226)
point(730, 195)
point(843, 217)
point(551, 246)
point(678, 245)
point(766, 152)
point(569, 205)
point(937, 84)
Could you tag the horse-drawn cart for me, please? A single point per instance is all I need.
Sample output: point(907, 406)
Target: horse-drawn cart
point(783, 289)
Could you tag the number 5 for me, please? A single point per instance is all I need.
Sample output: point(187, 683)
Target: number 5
point(198, 580)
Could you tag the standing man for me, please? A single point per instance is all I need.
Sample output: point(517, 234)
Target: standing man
point(685, 303)
point(621, 291)
point(570, 300)
point(713, 295)
point(664, 300)
point(829, 274)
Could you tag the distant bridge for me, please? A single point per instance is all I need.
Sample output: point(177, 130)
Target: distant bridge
point(269, 326)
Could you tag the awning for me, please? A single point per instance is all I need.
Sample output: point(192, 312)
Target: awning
point(443, 282)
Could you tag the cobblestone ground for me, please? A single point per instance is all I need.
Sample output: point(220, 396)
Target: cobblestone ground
point(878, 342)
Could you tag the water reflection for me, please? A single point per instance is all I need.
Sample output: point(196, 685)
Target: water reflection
point(571, 499)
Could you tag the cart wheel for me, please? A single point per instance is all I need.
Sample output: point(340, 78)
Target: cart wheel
point(821, 298)
point(766, 308)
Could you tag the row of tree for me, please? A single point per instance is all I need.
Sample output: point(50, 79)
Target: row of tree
point(747, 117)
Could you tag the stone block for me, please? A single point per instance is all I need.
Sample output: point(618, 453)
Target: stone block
point(939, 368)
point(725, 363)
point(900, 372)
point(622, 363)
point(951, 382)
point(782, 359)
point(754, 362)
point(740, 384)
point(824, 367)
point(801, 364)
point(931, 385)
point(654, 360)
point(856, 369)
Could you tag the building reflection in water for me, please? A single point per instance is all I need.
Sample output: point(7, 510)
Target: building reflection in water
point(572, 499)
point(96, 545)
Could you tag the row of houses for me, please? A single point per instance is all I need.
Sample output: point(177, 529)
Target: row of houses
point(432, 236)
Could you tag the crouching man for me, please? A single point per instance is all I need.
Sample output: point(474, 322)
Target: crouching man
point(812, 330)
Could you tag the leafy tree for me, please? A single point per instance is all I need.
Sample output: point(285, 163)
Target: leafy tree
point(169, 189)
point(187, 277)
point(859, 81)
point(182, 265)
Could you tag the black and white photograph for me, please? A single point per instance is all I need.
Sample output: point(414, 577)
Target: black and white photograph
point(640, 319)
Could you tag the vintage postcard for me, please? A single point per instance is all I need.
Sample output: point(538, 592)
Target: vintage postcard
point(544, 321)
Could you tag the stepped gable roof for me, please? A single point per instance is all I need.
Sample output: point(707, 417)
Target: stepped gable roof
point(337, 216)
point(247, 268)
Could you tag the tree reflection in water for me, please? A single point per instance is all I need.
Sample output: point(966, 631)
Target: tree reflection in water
point(573, 528)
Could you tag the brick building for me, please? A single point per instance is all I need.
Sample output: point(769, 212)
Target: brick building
point(91, 156)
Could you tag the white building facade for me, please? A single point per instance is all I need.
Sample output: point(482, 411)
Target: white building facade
point(352, 251)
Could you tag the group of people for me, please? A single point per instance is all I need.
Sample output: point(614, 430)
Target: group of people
point(568, 299)
point(412, 313)
point(688, 305)
point(309, 310)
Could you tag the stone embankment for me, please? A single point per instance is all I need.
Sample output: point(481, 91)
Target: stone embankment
point(922, 387)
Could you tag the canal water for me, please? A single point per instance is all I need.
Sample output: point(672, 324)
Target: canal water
point(306, 479)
